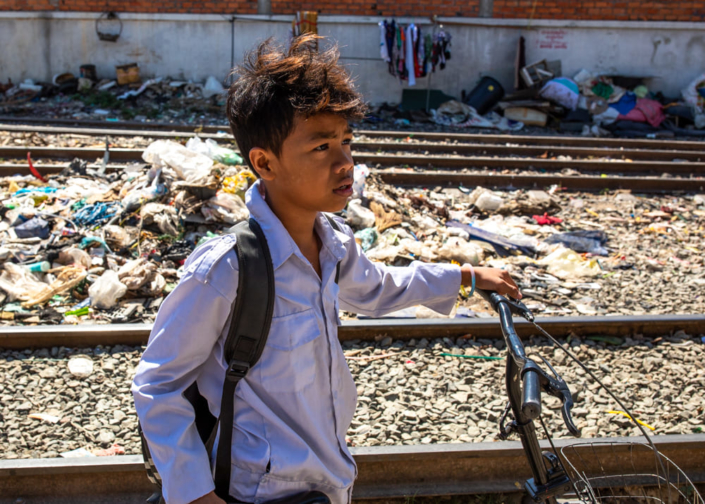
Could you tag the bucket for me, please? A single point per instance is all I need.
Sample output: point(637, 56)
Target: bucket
point(526, 115)
point(486, 95)
point(127, 74)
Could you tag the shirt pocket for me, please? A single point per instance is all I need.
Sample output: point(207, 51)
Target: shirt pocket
point(289, 358)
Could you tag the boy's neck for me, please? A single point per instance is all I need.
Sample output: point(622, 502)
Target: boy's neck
point(298, 222)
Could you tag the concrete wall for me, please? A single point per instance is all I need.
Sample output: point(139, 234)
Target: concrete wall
point(187, 46)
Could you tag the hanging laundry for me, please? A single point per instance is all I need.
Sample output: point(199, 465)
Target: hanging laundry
point(410, 52)
point(383, 48)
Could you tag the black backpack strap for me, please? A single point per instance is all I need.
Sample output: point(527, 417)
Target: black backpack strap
point(335, 226)
point(249, 328)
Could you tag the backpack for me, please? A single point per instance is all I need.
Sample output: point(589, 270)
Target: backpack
point(243, 347)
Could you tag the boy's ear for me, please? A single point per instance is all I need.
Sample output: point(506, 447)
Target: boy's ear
point(260, 159)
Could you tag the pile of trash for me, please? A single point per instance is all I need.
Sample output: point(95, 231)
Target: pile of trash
point(87, 244)
point(585, 103)
point(125, 96)
point(562, 248)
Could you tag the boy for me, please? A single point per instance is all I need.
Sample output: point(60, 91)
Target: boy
point(289, 113)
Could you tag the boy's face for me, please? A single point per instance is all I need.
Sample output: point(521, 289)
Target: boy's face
point(314, 171)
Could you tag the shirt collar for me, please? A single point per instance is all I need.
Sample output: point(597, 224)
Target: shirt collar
point(281, 244)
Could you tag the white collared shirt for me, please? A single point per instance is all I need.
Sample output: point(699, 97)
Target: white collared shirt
point(294, 407)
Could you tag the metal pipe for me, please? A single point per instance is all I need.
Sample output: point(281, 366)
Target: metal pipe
point(264, 7)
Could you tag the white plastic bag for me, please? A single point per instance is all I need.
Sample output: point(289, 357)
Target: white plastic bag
point(359, 216)
point(188, 165)
point(213, 87)
point(360, 173)
point(690, 93)
point(20, 283)
point(105, 292)
point(460, 250)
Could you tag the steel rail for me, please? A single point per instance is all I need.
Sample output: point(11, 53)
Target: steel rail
point(145, 128)
point(47, 336)
point(420, 160)
point(474, 148)
point(410, 177)
point(425, 178)
point(479, 149)
point(383, 472)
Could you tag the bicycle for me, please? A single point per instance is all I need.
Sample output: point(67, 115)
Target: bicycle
point(580, 470)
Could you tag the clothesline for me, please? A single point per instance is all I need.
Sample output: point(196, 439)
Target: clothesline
point(409, 53)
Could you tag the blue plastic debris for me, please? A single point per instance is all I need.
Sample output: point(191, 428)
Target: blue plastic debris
point(90, 215)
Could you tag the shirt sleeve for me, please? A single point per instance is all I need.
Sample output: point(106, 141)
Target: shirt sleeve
point(186, 330)
point(374, 289)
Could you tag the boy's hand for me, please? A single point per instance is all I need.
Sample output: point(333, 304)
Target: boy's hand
point(210, 498)
point(491, 279)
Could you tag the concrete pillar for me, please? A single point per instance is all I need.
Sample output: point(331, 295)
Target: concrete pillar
point(264, 7)
point(486, 8)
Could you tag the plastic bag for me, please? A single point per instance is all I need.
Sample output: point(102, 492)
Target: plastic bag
point(138, 197)
point(214, 151)
point(136, 273)
point(106, 291)
point(20, 283)
point(212, 87)
point(225, 207)
point(359, 216)
point(563, 91)
point(564, 263)
point(33, 228)
point(489, 202)
point(74, 256)
point(691, 95)
point(366, 238)
point(239, 183)
point(164, 216)
point(188, 165)
point(360, 174)
point(460, 250)
point(591, 242)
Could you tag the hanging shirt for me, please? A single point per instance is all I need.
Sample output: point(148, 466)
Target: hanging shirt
point(409, 57)
point(383, 49)
point(294, 407)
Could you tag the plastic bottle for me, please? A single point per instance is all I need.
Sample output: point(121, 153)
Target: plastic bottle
point(39, 267)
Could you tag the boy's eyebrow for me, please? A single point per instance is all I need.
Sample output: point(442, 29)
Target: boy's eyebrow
point(327, 135)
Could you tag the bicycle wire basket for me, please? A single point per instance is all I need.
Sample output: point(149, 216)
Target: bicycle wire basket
point(626, 472)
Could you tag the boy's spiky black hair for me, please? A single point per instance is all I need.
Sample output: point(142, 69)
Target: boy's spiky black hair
point(275, 85)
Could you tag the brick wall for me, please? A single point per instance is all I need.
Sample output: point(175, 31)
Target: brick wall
point(628, 10)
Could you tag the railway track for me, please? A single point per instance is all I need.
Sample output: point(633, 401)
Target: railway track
point(19, 337)
point(103, 128)
point(384, 472)
point(421, 169)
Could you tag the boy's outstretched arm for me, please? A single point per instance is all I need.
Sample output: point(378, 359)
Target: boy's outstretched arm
point(374, 289)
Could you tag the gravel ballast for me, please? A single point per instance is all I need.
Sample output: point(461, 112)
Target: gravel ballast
point(408, 392)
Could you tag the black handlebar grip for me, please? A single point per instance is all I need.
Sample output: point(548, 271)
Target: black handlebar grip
point(531, 400)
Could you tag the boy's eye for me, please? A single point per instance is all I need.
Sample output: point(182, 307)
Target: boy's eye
point(347, 141)
point(321, 147)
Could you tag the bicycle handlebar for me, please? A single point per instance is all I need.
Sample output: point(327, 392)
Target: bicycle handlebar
point(533, 378)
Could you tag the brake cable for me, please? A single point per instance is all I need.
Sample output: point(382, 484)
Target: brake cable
point(592, 375)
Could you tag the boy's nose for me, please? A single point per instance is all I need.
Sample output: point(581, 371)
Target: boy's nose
point(343, 161)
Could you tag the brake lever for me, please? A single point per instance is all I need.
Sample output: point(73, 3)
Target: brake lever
point(515, 306)
point(557, 387)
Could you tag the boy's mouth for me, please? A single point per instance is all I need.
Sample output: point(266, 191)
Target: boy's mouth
point(344, 190)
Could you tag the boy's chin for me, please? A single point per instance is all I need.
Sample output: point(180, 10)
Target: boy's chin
point(334, 206)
